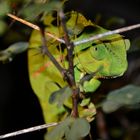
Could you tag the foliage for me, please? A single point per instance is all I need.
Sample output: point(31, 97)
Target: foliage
point(38, 9)
point(60, 96)
point(127, 96)
point(69, 130)
point(8, 54)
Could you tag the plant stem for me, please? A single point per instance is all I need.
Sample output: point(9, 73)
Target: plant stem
point(70, 74)
point(29, 24)
point(27, 130)
point(99, 36)
point(47, 52)
point(101, 126)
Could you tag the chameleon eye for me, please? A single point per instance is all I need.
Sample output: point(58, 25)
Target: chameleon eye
point(98, 52)
point(95, 48)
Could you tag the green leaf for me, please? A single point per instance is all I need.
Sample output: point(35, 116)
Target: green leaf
point(128, 96)
point(80, 128)
point(59, 131)
point(71, 129)
point(18, 47)
point(85, 102)
point(34, 10)
point(60, 96)
point(88, 112)
point(8, 54)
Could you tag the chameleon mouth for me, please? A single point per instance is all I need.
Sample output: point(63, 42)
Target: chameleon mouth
point(89, 76)
point(109, 77)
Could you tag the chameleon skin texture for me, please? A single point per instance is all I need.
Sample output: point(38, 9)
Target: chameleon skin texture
point(104, 58)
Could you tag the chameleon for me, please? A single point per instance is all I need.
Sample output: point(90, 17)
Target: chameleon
point(102, 58)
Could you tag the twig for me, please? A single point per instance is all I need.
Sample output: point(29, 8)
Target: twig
point(69, 45)
point(27, 130)
point(98, 36)
point(101, 126)
point(51, 57)
point(90, 136)
point(34, 27)
point(70, 74)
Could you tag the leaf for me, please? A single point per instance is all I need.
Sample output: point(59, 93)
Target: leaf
point(80, 128)
point(71, 129)
point(8, 54)
point(85, 102)
point(88, 112)
point(110, 106)
point(18, 47)
point(34, 10)
point(60, 96)
point(59, 131)
point(128, 96)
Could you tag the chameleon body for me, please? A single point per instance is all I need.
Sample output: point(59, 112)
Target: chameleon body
point(104, 58)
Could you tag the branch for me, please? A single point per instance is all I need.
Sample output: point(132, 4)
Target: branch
point(34, 27)
point(70, 74)
point(51, 57)
point(27, 130)
point(101, 126)
point(98, 36)
point(69, 44)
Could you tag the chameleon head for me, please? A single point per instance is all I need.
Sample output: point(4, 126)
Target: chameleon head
point(106, 57)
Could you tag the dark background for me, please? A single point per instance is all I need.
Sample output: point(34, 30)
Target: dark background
point(19, 107)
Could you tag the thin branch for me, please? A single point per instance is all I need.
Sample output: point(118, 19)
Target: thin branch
point(70, 74)
point(28, 130)
point(43, 40)
point(101, 126)
point(68, 43)
point(34, 27)
point(51, 57)
point(98, 36)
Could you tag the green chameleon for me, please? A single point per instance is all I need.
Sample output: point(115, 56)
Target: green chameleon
point(103, 58)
